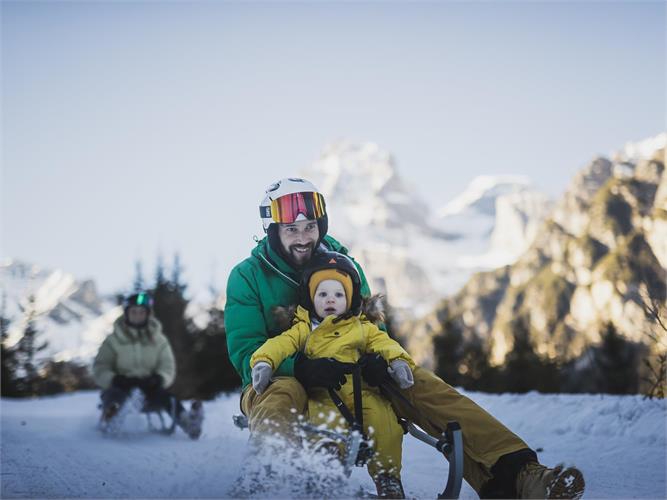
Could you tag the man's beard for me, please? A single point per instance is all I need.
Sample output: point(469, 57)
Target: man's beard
point(301, 258)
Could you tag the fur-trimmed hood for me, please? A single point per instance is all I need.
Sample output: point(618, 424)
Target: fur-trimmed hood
point(372, 309)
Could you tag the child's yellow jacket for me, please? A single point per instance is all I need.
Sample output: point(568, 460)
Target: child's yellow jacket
point(344, 341)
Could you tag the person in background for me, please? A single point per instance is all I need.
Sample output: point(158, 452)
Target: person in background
point(138, 355)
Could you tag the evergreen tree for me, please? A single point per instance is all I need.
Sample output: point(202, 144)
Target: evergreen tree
point(203, 368)
point(448, 352)
point(139, 284)
point(477, 372)
point(160, 278)
point(524, 370)
point(169, 308)
point(26, 350)
point(616, 360)
point(391, 325)
point(9, 363)
point(214, 369)
point(176, 272)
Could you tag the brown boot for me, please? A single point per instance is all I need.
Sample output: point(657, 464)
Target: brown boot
point(388, 486)
point(537, 481)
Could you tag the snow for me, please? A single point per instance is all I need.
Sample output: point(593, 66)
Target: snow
point(51, 448)
point(69, 315)
point(644, 149)
point(484, 186)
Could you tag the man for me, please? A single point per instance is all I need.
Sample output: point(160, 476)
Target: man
point(497, 463)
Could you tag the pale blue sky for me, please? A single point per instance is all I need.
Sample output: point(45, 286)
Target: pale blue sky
point(132, 127)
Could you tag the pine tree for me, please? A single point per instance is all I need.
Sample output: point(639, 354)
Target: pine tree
point(202, 363)
point(524, 370)
point(213, 368)
point(617, 363)
point(26, 350)
point(391, 325)
point(159, 272)
point(176, 272)
point(139, 284)
point(9, 363)
point(448, 352)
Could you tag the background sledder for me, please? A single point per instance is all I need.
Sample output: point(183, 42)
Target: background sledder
point(137, 355)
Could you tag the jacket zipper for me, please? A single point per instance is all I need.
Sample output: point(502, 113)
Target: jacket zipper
point(280, 273)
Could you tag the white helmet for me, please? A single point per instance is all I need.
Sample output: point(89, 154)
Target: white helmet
point(290, 200)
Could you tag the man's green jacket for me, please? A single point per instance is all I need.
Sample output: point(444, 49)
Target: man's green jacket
point(255, 286)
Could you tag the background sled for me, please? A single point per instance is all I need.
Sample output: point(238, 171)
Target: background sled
point(166, 420)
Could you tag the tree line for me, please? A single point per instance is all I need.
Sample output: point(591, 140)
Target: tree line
point(615, 365)
point(203, 366)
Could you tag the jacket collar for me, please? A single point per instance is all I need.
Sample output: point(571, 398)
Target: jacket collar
point(127, 334)
point(302, 314)
point(274, 261)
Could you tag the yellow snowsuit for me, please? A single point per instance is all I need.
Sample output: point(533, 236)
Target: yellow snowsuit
point(345, 341)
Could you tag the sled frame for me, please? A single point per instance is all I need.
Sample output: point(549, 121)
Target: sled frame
point(450, 444)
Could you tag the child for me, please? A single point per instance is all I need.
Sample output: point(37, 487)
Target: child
point(328, 323)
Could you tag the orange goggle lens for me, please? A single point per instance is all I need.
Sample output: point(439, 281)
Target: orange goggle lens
point(287, 208)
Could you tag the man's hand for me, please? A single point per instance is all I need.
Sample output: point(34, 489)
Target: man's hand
point(150, 383)
point(374, 369)
point(320, 372)
point(261, 376)
point(124, 383)
point(400, 371)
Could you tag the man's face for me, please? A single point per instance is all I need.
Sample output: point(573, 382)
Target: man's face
point(329, 299)
point(298, 240)
point(137, 315)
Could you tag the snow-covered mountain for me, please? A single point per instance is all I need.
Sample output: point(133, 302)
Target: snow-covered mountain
point(413, 252)
point(597, 257)
point(69, 315)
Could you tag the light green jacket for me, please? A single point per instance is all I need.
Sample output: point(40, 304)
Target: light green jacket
point(134, 353)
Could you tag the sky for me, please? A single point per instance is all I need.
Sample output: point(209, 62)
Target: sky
point(137, 129)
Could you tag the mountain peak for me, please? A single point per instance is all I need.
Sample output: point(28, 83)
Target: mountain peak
point(344, 163)
point(481, 193)
point(642, 150)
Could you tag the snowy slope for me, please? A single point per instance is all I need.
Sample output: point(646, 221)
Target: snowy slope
point(50, 448)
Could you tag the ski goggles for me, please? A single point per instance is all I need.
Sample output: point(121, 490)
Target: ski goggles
point(287, 208)
point(140, 299)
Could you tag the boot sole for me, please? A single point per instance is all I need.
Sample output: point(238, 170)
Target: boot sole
point(568, 484)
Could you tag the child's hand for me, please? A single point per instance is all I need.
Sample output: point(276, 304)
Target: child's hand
point(401, 373)
point(261, 376)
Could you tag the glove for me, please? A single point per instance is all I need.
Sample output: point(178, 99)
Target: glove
point(123, 382)
point(150, 383)
point(261, 376)
point(374, 369)
point(320, 372)
point(400, 371)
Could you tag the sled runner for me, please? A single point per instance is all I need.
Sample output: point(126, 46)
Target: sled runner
point(355, 444)
point(112, 416)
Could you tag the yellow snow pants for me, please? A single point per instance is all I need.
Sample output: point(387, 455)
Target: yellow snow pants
point(380, 425)
point(435, 404)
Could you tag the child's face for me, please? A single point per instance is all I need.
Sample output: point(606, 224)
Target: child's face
point(330, 299)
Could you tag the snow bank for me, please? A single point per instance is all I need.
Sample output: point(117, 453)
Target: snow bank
point(51, 448)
